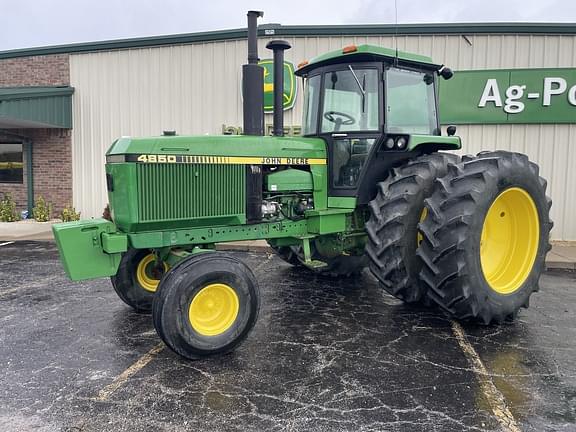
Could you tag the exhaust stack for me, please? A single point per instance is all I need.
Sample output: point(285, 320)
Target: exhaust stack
point(253, 81)
point(278, 47)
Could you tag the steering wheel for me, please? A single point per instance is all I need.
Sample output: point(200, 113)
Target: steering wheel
point(347, 118)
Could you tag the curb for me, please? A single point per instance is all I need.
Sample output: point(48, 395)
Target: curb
point(560, 265)
point(244, 247)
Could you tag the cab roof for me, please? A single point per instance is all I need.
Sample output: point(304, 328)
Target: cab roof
point(366, 52)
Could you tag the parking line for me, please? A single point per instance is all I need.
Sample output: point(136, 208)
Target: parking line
point(6, 243)
point(107, 391)
point(7, 292)
point(494, 397)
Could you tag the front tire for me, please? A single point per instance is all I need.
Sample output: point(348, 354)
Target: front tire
point(137, 279)
point(206, 305)
point(486, 237)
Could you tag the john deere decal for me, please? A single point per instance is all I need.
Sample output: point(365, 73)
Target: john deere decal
point(289, 85)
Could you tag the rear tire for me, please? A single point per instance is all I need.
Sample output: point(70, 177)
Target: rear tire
point(206, 305)
point(393, 226)
point(136, 280)
point(486, 237)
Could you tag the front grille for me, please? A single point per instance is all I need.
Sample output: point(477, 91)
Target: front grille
point(190, 191)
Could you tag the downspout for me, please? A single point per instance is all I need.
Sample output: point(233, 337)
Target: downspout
point(29, 176)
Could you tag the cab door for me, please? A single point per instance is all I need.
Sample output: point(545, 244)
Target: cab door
point(350, 121)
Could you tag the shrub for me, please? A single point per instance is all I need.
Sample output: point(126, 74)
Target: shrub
point(42, 211)
point(69, 214)
point(8, 209)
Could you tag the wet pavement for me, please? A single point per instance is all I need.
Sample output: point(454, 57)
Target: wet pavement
point(325, 355)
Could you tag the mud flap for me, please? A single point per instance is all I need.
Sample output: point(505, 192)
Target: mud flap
point(90, 248)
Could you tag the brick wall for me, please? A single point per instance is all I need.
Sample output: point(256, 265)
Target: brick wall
point(52, 70)
point(51, 165)
point(52, 148)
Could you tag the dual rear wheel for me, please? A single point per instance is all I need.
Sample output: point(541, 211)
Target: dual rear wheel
point(472, 240)
point(486, 237)
point(395, 212)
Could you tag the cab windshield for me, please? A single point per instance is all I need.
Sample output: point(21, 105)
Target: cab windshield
point(350, 101)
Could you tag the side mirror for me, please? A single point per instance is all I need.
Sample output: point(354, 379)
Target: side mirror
point(446, 73)
point(451, 130)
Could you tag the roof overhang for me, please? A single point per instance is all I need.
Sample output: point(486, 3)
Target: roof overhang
point(277, 30)
point(36, 107)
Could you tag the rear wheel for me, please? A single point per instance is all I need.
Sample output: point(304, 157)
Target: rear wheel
point(137, 279)
point(486, 237)
point(393, 226)
point(206, 305)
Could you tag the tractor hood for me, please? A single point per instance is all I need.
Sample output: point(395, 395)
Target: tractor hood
point(128, 149)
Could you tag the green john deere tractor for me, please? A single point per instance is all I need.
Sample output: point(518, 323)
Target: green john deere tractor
point(365, 185)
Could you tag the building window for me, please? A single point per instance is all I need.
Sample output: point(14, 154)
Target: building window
point(11, 163)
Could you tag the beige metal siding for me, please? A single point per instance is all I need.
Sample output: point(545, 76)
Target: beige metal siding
point(195, 89)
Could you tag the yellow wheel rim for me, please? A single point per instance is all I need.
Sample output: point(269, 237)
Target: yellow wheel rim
point(509, 241)
point(214, 309)
point(145, 273)
point(419, 236)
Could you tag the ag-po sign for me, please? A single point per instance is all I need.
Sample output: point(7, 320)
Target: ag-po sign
point(509, 96)
point(553, 86)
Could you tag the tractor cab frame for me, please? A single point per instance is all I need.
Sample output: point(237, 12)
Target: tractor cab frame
point(374, 110)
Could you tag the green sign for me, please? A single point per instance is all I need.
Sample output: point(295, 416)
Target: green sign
point(289, 85)
point(509, 96)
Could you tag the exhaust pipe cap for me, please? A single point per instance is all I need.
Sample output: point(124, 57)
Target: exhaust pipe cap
point(278, 45)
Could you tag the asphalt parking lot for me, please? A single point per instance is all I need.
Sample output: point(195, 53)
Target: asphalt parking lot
point(325, 355)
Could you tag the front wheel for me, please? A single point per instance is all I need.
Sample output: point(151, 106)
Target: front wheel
point(137, 279)
point(206, 305)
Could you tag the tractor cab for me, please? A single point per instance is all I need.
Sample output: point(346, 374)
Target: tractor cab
point(373, 107)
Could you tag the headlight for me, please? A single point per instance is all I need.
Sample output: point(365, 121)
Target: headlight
point(401, 143)
point(389, 143)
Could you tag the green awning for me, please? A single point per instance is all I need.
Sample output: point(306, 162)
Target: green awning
point(36, 107)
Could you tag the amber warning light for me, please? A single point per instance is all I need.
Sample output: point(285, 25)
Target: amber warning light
point(349, 49)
